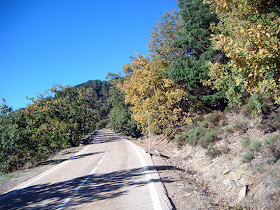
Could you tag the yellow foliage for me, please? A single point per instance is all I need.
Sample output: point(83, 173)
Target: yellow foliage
point(151, 93)
point(249, 34)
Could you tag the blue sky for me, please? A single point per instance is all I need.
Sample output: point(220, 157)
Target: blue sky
point(68, 42)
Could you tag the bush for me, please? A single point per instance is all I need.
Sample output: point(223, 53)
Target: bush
point(248, 108)
point(198, 119)
point(247, 157)
point(180, 140)
point(273, 145)
point(272, 139)
point(193, 136)
point(212, 151)
point(255, 106)
point(210, 137)
point(213, 118)
point(239, 126)
point(245, 141)
point(256, 145)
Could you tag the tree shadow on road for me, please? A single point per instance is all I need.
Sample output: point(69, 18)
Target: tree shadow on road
point(97, 187)
point(57, 161)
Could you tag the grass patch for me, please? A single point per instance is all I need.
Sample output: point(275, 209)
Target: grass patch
point(212, 150)
point(247, 157)
point(197, 136)
point(210, 137)
point(193, 135)
point(198, 119)
point(180, 140)
point(272, 139)
point(273, 146)
point(240, 126)
point(254, 107)
point(245, 141)
point(256, 145)
point(213, 118)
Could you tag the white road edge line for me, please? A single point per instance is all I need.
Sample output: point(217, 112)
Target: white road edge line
point(36, 178)
point(81, 185)
point(151, 184)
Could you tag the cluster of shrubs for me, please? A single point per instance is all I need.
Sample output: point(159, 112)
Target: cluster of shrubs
point(203, 132)
point(206, 131)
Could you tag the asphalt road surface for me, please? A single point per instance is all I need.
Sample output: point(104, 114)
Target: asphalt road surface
point(110, 173)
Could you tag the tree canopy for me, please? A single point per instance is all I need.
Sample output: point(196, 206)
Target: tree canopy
point(189, 71)
point(249, 35)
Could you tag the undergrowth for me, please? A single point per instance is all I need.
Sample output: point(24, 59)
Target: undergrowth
point(203, 132)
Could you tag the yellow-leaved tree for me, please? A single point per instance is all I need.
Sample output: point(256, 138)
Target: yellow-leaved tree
point(150, 92)
point(249, 34)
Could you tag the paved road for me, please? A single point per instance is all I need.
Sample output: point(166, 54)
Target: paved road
point(110, 173)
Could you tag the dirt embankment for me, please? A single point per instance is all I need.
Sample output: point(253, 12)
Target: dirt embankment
point(242, 171)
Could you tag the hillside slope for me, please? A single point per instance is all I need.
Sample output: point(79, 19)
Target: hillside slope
point(240, 169)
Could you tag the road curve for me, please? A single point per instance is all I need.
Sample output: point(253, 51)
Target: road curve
point(110, 173)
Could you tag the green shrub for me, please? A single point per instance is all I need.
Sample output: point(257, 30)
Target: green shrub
point(239, 126)
point(255, 106)
point(248, 108)
point(245, 141)
point(210, 137)
point(273, 146)
point(193, 135)
point(272, 139)
point(229, 129)
point(212, 151)
point(180, 140)
point(213, 118)
point(256, 145)
point(247, 157)
point(198, 119)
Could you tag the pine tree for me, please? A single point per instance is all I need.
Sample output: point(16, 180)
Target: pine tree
point(190, 70)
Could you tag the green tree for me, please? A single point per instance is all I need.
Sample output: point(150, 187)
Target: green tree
point(15, 145)
point(163, 35)
point(190, 70)
point(120, 116)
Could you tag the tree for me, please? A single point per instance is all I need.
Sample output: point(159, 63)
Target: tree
point(120, 116)
point(190, 70)
point(147, 88)
point(15, 145)
point(249, 35)
point(163, 35)
point(150, 92)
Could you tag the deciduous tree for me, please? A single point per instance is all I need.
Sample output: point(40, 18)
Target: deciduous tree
point(249, 34)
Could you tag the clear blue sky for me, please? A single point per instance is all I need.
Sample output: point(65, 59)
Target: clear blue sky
point(68, 42)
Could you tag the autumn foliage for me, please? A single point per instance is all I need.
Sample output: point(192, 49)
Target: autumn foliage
point(249, 33)
point(150, 92)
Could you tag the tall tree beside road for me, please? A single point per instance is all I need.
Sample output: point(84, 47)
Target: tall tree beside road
point(150, 92)
point(15, 146)
point(190, 70)
point(163, 35)
point(146, 85)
